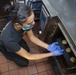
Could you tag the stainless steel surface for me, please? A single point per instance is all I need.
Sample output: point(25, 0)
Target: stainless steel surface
point(66, 11)
point(50, 8)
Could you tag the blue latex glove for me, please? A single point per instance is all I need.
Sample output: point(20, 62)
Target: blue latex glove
point(53, 47)
point(57, 52)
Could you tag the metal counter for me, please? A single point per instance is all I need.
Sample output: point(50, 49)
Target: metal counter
point(66, 12)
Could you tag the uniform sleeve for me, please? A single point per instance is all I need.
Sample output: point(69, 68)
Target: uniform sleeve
point(12, 46)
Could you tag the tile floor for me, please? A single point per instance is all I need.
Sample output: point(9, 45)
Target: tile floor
point(38, 67)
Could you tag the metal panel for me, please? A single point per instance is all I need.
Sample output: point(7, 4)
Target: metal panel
point(66, 12)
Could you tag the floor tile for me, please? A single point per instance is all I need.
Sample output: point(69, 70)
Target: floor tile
point(2, 59)
point(31, 44)
point(23, 71)
point(26, 38)
point(5, 73)
point(34, 74)
point(45, 59)
point(0, 71)
point(1, 54)
point(40, 67)
point(4, 67)
point(51, 72)
point(43, 73)
point(31, 62)
point(12, 65)
point(42, 50)
point(34, 50)
point(47, 65)
point(14, 72)
point(38, 61)
point(32, 69)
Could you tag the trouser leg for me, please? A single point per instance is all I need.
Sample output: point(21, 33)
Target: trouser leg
point(16, 58)
point(23, 44)
point(23, 62)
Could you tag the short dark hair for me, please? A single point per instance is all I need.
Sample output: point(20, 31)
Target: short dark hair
point(19, 13)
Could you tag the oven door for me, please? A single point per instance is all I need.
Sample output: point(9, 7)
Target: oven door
point(65, 64)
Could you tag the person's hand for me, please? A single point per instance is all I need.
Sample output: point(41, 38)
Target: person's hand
point(53, 47)
point(57, 52)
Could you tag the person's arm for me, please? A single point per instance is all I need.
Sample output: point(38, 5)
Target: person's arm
point(54, 48)
point(36, 40)
point(22, 52)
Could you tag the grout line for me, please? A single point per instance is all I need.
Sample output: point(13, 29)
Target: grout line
point(8, 67)
point(27, 69)
point(36, 67)
point(4, 72)
point(18, 71)
point(43, 71)
point(3, 62)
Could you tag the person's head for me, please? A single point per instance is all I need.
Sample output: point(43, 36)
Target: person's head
point(21, 15)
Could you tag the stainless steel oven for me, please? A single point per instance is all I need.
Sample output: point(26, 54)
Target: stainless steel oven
point(61, 27)
point(65, 64)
